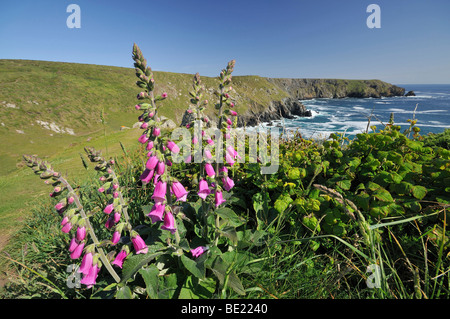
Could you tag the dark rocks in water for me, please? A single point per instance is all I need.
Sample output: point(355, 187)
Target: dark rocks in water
point(410, 93)
point(287, 108)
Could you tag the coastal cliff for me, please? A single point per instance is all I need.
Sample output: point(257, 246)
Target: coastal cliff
point(303, 89)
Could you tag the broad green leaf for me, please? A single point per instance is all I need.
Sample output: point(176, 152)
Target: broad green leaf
point(419, 192)
point(345, 184)
point(383, 195)
point(134, 263)
point(124, 292)
point(195, 267)
point(150, 276)
point(229, 217)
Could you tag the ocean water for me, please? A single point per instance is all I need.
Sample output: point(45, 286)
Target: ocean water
point(350, 115)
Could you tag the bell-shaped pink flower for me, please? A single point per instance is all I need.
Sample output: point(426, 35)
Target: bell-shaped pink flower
point(234, 113)
point(139, 244)
point(210, 170)
point(157, 212)
point(118, 261)
point(115, 238)
point(197, 252)
point(65, 220)
point(160, 168)
point(67, 227)
point(219, 198)
point(229, 159)
point(149, 145)
point(179, 191)
point(116, 217)
point(156, 131)
point(173, 147)
point(108, 209)
point(159, 195)
point(143, 139)
point(208, 154)
point(147, 176)
point(169, 222)
point(91, 278)
point(73, 244)
point(204, 190)
point(86, 264)
point(77, 251)
point(152, 162)
point(228, 183)
point(81, 233)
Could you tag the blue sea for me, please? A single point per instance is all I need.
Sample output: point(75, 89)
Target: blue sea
point(350, 115)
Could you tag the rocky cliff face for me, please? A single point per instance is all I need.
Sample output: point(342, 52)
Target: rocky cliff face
point(335, 88)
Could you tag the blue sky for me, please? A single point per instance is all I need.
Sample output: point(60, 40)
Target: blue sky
point(277, 38)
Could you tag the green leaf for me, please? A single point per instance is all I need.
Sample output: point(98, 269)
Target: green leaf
point(235, 283)
point(229, 217)
point(197, 268)
point(134, 263)
point(419, 192)
point(193, 288)
point(345, 184)
point(150, 276)
point(383, 195)
point(124, 292)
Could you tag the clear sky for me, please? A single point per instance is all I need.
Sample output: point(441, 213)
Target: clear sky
point(276, 38)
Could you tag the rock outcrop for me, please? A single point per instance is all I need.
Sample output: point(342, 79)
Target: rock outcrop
point(410, 93)
point(304, 89)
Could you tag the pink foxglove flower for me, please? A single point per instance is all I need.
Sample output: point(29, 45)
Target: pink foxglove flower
point(156, 131)
point(81, 233)
point(118, 261)
point(152, 162)
point(210, 170)
point(116, 217)
point(229, 159)
point(115, 238)
point(67, 227)
point(197, 252)
point(90, 279)
point(204, 190)
point(86, 264)
point(219, 198)
point(101, 189)
point(110, 222)
point(149, 145)
point(77, 251)
point(228, 183)
point(65, 220)
point(73, 244)
point(207, 154)
point(169, 222)
point(108, 209)
point(157, 212)
point(164, 95)
point(147, 176)
point(139, 244)
point(179, 191)
point(234, 113)
point(160, 168)
point(159, 195)
point(188, 159)
point(173, 147)
point(143, 139)
point(144, 126)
